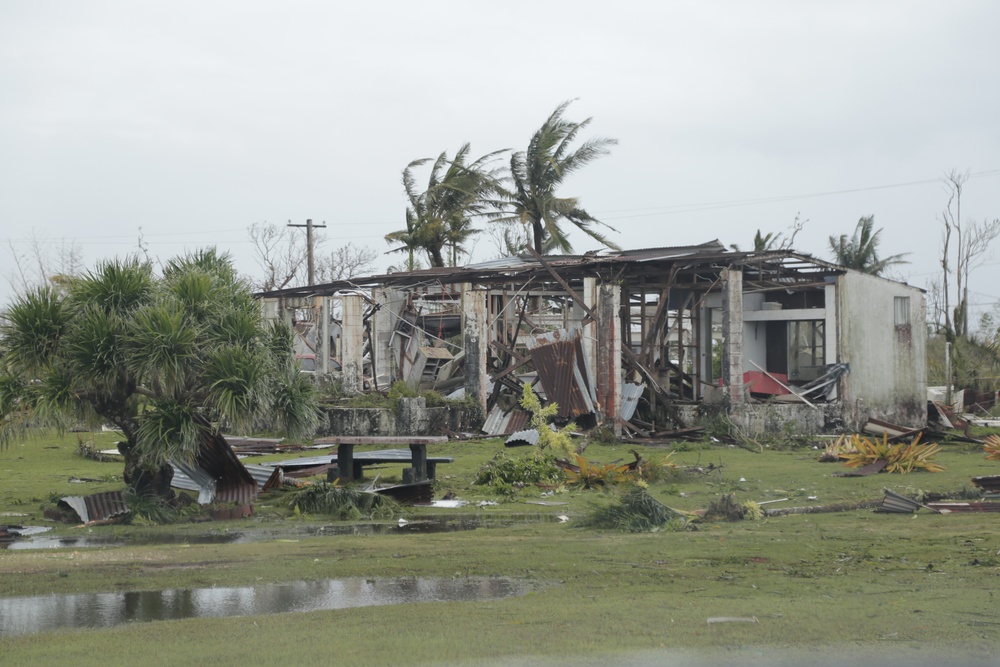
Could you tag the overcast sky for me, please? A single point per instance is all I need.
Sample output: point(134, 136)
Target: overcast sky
point(193, 120)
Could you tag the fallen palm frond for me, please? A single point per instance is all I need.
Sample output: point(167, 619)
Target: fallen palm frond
point(992, 448)
point(726, 508)
point(342, 503)
point(837, 449)
point(635, 511)
point(901, 458)
point(585, 474)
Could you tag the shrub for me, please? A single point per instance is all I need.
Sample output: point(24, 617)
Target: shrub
point(506, 474)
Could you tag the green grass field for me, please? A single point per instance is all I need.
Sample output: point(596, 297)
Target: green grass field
point(885, 585)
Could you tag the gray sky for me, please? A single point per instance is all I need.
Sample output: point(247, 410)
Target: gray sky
point(193, 120)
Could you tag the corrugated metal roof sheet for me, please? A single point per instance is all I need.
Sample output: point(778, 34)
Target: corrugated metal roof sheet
point(499, 422)
point(559, 361)
point(631, 393)
point(217, 474)
point(521, 438)
point(98, 506)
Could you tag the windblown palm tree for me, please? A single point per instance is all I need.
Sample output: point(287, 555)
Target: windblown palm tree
point(537, 174)
point(860, 251)
point(441, 216)
point(166, 360)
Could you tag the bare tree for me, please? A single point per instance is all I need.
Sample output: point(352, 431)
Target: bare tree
point(282, 254)
point(345, 262)
point(283, 257)
point(43, 262)
point(972, 244)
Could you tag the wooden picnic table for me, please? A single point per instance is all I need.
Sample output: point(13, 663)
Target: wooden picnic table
point(350, 464)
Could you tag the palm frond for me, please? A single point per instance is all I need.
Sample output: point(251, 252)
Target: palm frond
point(169, 430)
point(36, 323)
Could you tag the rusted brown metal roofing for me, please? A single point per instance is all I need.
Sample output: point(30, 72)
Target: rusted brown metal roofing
point(217, 473)
point(558, 360)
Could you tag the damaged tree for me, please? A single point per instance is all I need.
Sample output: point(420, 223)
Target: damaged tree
point(165, 360)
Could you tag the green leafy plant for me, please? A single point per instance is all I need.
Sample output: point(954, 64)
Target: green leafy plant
point(506, 475)
point(556, 440)
point(147, 508)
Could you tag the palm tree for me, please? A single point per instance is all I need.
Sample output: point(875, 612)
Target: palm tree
point(441, 216)
point(539, 171)
point(166, 360)
point(860, 251)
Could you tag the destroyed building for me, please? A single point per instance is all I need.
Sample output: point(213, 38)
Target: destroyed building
point(645, 340)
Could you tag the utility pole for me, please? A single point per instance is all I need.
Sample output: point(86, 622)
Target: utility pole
point(309, 247)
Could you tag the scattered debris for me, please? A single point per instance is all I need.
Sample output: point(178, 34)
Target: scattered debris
point(895, 503)
point(984, 506)
point(864, 471)
point(821, 509)
point(989, 484)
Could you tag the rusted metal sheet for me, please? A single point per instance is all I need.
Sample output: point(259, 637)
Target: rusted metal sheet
point(989, 483)
point(98, 506)
point(216, 473)
point(559, 361)
point(984, 506)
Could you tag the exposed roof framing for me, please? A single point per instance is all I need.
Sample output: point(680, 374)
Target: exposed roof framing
point(681, 266)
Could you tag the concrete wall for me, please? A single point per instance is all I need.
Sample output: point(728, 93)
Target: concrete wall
point(412, 418)
point(888, 376)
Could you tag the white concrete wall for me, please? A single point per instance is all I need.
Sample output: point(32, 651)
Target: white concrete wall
point(888, 376)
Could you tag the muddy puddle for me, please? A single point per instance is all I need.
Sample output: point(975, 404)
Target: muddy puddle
point(35, 537)
point(43, 613)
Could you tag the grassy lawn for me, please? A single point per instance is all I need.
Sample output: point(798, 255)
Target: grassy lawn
point(884, 585)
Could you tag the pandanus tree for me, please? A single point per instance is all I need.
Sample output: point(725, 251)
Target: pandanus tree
point(166, 360)
point(439, 219)
point(537, 174)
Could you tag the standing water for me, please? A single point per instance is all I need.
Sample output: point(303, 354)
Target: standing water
point(29, 615)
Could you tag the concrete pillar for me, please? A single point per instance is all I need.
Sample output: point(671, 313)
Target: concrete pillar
point(609, 354)
point(352, 344)
point(732, 331)
point(383, 323)
point(324, 332)
point(590, 331)
point(475, 328)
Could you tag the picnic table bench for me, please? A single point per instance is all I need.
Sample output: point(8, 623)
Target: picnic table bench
point(350, 464)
